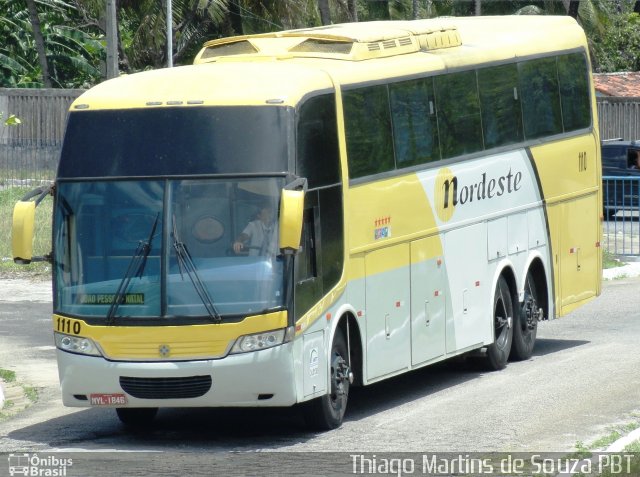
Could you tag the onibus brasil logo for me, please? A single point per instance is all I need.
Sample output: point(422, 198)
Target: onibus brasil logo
point(37, 466)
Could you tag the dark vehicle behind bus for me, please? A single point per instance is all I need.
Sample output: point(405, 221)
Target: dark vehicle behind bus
point(620, 176)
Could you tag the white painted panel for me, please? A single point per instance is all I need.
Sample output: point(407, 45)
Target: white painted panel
point(537, 228)
point(517, 233)
point(428, 302)
point(497, 238)
point(469, 322)
point(314, 363)
point(388, 309)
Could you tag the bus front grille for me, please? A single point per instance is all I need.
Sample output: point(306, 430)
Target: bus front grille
point(166, 388)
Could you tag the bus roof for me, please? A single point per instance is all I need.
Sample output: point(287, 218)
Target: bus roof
point(283, 67)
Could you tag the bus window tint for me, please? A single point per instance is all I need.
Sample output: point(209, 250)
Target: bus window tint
point(368, 131)
point(574, 91)
point(458, 113)
point(415, 129)
point(500, 104)
point(317, 149)
point(540, 98)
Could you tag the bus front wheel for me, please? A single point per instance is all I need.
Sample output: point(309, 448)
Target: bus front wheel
point(326, 412)
point(498, 351)
point(136, 417)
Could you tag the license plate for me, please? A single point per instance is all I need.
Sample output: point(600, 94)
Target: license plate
point(114, 399)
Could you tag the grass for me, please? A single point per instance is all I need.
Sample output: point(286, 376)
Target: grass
point(9, 409)
point(31, 393)
point(625, 463)
point(610, 261)
point(7, 376)
point(42, 232)
point(614, 433)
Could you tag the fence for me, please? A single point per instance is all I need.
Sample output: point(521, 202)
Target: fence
point(621, 228)
point(29, 152)
point(619, 118)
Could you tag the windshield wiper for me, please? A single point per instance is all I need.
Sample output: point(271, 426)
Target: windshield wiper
point(136, 268)
point(185, 263)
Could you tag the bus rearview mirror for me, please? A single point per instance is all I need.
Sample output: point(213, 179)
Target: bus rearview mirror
point(291, 213)
point(24, 214)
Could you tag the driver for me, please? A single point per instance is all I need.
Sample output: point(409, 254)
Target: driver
point(257, 236)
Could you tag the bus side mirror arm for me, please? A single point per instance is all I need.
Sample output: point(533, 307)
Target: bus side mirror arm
point(24, 213)
point(291, 215)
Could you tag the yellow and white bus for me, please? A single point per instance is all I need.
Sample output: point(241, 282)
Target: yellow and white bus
point(436, 190)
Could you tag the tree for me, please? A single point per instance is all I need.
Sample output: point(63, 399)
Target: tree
point(39, 40)
point(72, 53)
point(618, 48)
point(379, 10)
point(325, 12)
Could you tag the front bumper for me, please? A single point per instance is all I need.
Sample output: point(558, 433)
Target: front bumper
point(258, 379)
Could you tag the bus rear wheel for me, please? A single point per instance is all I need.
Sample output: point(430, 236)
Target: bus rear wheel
point(326, 412)
point(526, 324)
point(498, 351)
point(136, 417)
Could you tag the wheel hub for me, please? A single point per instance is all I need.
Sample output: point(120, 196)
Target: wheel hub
point(342, 374)
point(532, 313)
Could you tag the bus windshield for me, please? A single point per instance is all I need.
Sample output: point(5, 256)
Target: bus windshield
point(173, 248)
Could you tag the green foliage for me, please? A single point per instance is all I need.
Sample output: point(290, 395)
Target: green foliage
point(618, 48)
point(74, 52)
point(7, 376)
point(12, 120)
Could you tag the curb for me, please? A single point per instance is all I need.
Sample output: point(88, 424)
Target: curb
point(620, 444)
point(14, 400)
point(630, 270)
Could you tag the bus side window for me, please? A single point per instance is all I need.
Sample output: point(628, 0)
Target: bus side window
point(367, 123)
point(317, 142)
point(574, 91)
point(458, 109)
point(500, 103)
point(415, 129)
point(540, 98)
point(307, 260)
point(308, 285)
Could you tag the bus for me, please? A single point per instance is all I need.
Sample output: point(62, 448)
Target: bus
point(427, 189)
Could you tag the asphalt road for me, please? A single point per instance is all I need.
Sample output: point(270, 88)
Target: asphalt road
point(582, 378)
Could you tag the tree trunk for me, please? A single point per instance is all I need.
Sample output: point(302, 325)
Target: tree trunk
point(415, 10)
point(636, 6)
point(573, 8)
point(353, 10)
point(235, 18)
point(39, 40)
point(325, 13)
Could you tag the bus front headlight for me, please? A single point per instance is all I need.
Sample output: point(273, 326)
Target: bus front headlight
point(260, 341)
point(76, 344)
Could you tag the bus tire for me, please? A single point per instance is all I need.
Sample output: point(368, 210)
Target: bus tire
point(525, 326)
point(136, 416)
point(498, 351)
point(326, 412)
